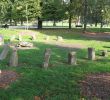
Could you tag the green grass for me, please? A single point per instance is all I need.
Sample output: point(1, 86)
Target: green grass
point(60, 81)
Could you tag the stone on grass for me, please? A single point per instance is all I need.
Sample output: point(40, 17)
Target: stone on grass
point(33, 37)
point(25, 44)
point(4, 52)
point(91, 53)
point(14, 58)
point(47, 38)
point(46, 58)
point(104, 53)
point(59, 38)
point(20, 37)
point(72, 58)
point(12, 38)
point(1, 40)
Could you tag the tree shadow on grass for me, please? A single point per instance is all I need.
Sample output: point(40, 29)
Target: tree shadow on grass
point(75, 34)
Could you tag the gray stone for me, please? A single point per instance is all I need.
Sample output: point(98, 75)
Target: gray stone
point(46, 58)
point(59, 38)
point(91, 53)
point(72, 58)
point(25, 44)
point(20, 37)
point(1, 40)
point(4, 52)
point(12, 38)
point(13, 58)
point(47, 38)
point(104, 53)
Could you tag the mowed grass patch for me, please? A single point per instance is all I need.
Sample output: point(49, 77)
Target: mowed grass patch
point(60, 81)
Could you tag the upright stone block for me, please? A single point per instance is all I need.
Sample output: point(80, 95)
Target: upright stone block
point(59, 38)
point(72, 58)
point(33, 37)
point(20, 37)
point(12, 38)
point(104, 53)
point(1, 40)
point(91, 53)
point(14, 58)
point(4, 52)
point(46, 58)
point(47, 38)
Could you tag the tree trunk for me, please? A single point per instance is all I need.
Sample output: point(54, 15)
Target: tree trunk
point(39, 23)
point(96, 24)
point(85, 15)
point(21, 22)
point(15, 23)
point(54, 23)
point(70, 18)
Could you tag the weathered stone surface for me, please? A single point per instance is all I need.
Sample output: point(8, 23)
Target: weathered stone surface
point(91, 53)
point(59, 38)
point(14, 58)
point(47, 38)
point(72, 58)
point(33, 37)
point(1, 40)
point(12, 38)
point(4, 52)
point(20, 37)
point(46, 58)
point(104, 53)
point(25, 44)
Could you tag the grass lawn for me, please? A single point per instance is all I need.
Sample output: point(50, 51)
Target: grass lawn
point(60, 81)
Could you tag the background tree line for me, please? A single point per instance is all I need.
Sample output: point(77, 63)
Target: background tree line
point(79, 11)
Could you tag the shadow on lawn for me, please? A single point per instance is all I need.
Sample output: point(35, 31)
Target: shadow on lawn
point(75, 34)
point(57, 83)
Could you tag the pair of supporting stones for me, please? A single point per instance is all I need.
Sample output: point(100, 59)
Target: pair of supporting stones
point(91, 53)
point(47, 54)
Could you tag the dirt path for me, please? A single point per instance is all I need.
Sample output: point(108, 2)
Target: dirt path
point(96, 86)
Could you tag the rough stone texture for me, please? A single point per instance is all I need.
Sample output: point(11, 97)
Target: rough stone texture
point(96, 86)
point(104, 53)
point(72, 58)
point(46, 58)
point(7, 77)
point(59, 38)
point(4, 52)
point(33, 37)
point(47, 38)
point(14, 58)
point(1, 40)
point(25, 44)
point(12, 38)
point(20, 37)
point(91, 53)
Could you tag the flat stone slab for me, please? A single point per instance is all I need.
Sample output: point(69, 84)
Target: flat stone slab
point(96, 86)
point(7, 77)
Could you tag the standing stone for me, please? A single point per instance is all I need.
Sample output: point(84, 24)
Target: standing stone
point(33, 37)
point(1, 40)
point(59, 38)
point(46, 58)
point(4, 52)
point(47, 38)
point(14, 58)
point(91, 53)
point(20, 37)
point(104, 53)
point(72, 58)
point(12, 38)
